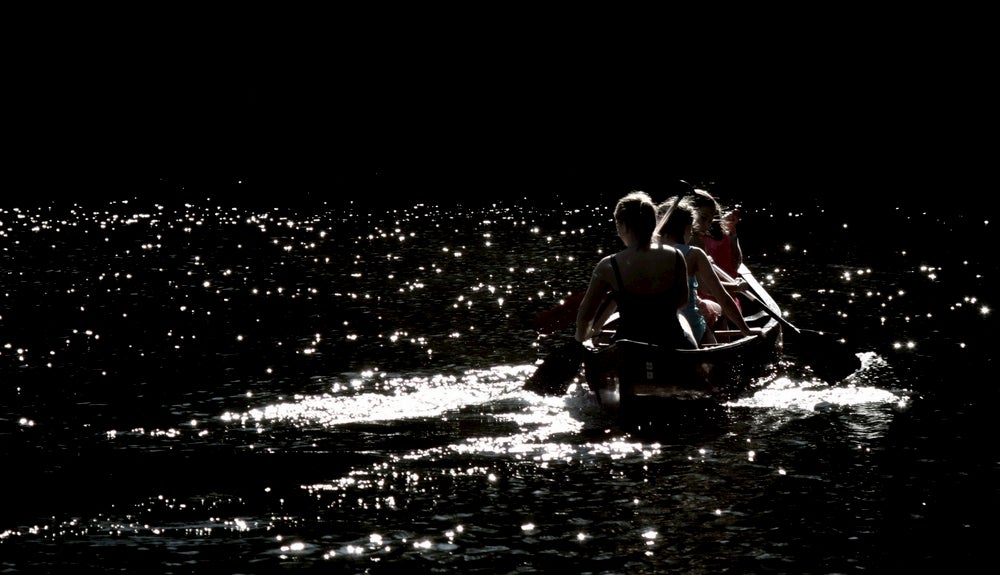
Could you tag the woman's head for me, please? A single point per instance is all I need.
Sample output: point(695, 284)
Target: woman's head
point(708, 213)
point(636, 213)
point(675, 223)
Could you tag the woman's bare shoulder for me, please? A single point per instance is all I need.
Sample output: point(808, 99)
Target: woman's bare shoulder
point(606, 260)
point(603, 265)
point(698, 252)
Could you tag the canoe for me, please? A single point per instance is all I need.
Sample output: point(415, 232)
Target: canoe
point(626, 374)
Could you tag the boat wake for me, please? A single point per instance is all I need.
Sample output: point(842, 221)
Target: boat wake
point(790, 393)
point(378, 397)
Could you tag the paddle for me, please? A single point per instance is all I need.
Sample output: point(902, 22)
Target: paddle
point(829, 357)
point(562, 363)
point(751, 295)
point(558, 369)
point(559, 317)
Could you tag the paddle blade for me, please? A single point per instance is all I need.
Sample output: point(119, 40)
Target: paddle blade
point(559, 317)
point(557, 370)
point(829, 357)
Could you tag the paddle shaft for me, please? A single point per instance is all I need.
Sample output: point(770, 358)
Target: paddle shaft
point(752, 295)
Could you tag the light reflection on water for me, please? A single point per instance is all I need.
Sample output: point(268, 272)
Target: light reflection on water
point(210, 371)
point(399, 398)
point(787, 394)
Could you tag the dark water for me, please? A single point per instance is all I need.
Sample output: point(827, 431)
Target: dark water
point(218, 388)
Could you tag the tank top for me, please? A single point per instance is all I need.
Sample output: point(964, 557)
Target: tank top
point(650, 317)
point(721, 252)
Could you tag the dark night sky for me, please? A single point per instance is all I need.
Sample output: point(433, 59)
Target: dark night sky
point(438, 118)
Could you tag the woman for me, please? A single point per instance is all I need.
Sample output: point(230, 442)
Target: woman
point(715, 235)
point(676, 228)
point(647, 281)
point(718, 239)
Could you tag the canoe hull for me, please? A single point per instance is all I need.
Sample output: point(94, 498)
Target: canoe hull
point(629, 369)
point(626, 374)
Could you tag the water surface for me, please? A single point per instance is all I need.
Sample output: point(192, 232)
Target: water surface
point(202, 388)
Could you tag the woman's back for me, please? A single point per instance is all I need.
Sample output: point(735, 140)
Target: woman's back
point(648, 287)
point(649, 270)
point(647, 281)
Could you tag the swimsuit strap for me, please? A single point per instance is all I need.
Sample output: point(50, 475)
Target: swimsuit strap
point(618, 274)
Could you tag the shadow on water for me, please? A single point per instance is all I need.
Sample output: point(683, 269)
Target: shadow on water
point(676, 420)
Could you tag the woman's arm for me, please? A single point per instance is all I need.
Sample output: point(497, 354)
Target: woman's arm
point(709, 281)
point(597, 291)
point(733, 218)
point(734, 242)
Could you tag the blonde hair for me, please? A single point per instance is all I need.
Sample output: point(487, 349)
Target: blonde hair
point(674, 221)
point(703, 199)
point(637, 212)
